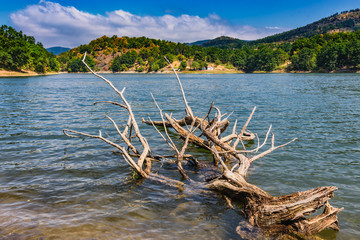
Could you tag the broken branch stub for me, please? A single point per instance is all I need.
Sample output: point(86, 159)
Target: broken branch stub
point(274, 215)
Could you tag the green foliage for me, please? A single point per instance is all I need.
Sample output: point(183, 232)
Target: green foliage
point(18, 51)
point(262, 59)
point(183, 65)
point(140, 69)
point(54, 65)
point(353, 52)
point(123, 67)
point(180, 57)
point(76, 64)
point(345, 21)
point(171, 57)
point(125, 61)
point(332, 56)
point(238, 58)
point(304, 60)
point(327, 51)
point(140, 61)
point(224, 43)
point(195, 65)
point(154, 67)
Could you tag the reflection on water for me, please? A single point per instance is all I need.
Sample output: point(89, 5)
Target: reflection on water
point(55, 187)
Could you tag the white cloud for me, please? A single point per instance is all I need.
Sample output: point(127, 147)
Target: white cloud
point(272, 28)
point(57, 25)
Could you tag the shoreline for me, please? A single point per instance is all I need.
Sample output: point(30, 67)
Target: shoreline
point(219, 72)
point(6, 73)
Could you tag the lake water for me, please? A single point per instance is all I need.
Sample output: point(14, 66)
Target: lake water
point(56, 187)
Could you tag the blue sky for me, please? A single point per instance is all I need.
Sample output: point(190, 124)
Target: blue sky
point(70, 23)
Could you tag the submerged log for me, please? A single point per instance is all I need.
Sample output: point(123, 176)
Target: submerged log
point(276, 216)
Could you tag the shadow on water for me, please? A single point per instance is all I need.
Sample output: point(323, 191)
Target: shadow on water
point(53, 187)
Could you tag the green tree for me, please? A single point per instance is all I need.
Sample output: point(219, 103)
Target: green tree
point(116, 64)
point(262, 59)
point(18, 51)
point(40, 68)
point(54, 65)
point(304, 60)
point(154, 66)
point(238, 58)
point(195, 65)
point(76, 64)
point(353, 52)
point(183, 65)
point(332, 56)
point(128, 59)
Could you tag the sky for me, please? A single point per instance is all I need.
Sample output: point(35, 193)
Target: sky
point(70, 23)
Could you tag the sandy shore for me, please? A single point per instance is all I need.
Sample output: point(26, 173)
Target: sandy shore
point(5, 73)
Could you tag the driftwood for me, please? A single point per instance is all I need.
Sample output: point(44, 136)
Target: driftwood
point(283, 216)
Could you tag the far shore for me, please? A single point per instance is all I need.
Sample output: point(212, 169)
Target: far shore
point(6, 73)
point(230, 71)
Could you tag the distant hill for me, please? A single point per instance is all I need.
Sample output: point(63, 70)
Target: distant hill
point(58, 50)
point(330, 44)
point(224, 43)
point(347, 21)
point(198, 43)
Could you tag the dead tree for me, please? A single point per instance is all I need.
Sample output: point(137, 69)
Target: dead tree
point(275, 216)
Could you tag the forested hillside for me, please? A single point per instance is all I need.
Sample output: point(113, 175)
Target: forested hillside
point(21, 52)
point(146, 55)
point(225, 43)
point(324, 52)
point(347, 21)
point(334, 51)
point(139, 54)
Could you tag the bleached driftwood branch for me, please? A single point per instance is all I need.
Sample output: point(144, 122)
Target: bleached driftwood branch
point(274, 215)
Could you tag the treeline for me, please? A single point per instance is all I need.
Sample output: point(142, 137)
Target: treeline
point(144, 54)
point(326, 52)
point(21, 52)
point(126, 52)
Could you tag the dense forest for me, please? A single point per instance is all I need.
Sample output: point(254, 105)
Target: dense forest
point(21, 52)
point(324, 52)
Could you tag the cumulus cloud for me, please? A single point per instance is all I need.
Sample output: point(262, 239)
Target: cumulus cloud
point(57, 25)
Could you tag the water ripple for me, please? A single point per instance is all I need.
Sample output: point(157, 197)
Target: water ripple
point(54, 187)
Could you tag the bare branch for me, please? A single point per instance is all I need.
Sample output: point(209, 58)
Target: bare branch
point(270, 150)
point(111, 102)
point(145, 145)
point(170, 141)
point(244, 128)
point(127, 157)
point(187, 108)
point(123, 136)
point(171, 145)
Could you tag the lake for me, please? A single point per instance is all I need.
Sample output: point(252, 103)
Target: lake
point(53, 186)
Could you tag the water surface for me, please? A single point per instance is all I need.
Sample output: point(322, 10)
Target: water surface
point(52, 186)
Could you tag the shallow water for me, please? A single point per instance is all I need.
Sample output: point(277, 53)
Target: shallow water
point(55, 187)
